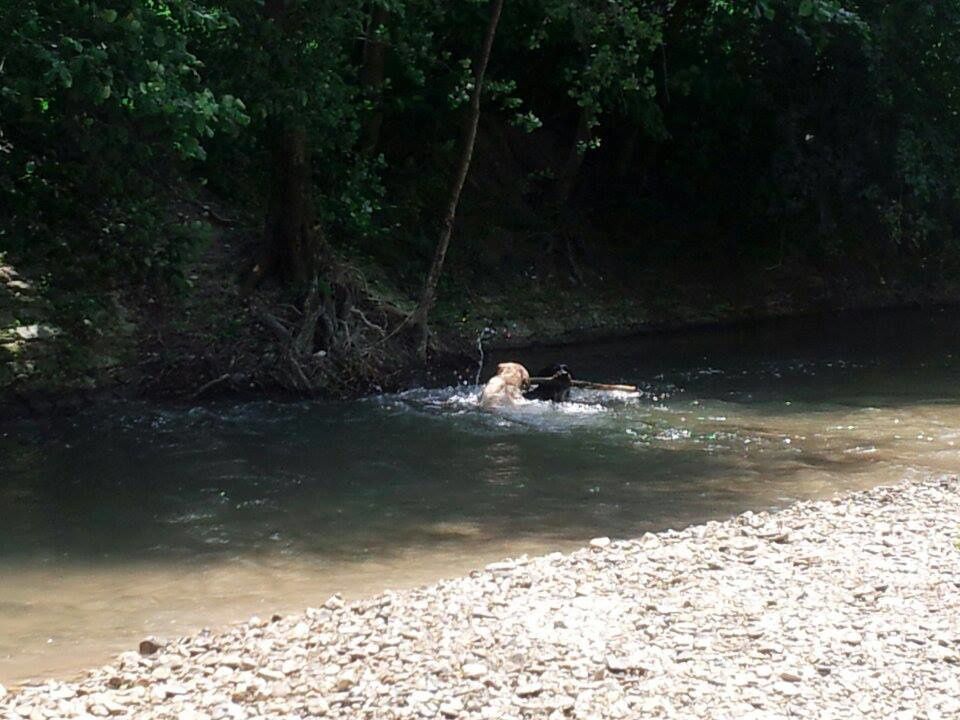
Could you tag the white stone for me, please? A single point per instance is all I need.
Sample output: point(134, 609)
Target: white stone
point(529, 689)
point(473, 671)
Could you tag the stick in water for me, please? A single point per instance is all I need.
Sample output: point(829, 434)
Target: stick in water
point(589, 385)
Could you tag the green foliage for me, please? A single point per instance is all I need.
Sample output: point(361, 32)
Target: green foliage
point(823, 131)
point(607, 49)
point(101, 107)
point(298, 70)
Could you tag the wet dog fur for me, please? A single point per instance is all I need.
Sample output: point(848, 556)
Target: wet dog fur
point(556, 389)
point(506, 388)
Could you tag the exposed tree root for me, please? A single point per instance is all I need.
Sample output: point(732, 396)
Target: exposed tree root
point(340, 337)
point(210, 385)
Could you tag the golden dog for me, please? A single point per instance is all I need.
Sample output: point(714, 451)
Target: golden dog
point(506, 387)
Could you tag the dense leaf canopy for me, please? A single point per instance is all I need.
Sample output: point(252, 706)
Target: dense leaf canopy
point(816, 132)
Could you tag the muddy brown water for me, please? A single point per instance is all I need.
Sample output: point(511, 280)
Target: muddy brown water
point(138, 520)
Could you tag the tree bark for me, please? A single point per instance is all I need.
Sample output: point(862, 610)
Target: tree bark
point(288, 232)
point(429, 294)
point(371, 78)
point(289, 242)
point(571, 169)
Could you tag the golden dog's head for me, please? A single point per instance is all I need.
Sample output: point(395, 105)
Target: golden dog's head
point(514, 374)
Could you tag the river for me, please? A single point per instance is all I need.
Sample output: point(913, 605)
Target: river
point(137, 519)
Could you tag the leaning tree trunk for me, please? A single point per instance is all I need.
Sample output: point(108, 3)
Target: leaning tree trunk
point(429, 294)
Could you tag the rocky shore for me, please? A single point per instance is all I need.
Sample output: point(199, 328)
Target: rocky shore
point(832, 609)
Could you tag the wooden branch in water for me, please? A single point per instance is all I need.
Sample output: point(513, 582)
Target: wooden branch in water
point(589, 385)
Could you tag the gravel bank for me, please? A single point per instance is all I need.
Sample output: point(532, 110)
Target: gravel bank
point(831, 609)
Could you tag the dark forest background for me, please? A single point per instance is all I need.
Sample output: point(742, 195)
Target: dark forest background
point(204, 183)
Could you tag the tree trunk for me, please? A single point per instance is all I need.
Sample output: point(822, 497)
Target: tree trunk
point(371, 78)
point(571, 169)
point(289, 242)
point(428, 297)
point(627, 150)
point(289, 226)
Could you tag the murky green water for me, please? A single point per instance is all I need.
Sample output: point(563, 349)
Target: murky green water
point(145, 520)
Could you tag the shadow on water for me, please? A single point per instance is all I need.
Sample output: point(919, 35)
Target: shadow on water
point(341, 481)
point(118, 522)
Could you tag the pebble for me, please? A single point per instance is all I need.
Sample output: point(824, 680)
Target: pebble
point(743, 544)
point(529, 689)
point(318, 706)
point(474, 671)
point(786, 688)
point(346, 681)
point(419, 697)
point(149, 646)
point(623, 664)
point(851, 637)
point(451, 708)
point(824, 609)
point(236, 661)
point(334, 602)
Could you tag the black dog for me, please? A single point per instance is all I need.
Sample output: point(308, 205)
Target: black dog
point(556, 389)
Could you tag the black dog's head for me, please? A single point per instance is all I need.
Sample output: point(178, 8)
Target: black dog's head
point(559, 370)
point(556, 386)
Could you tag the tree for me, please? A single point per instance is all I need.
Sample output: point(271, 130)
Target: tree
point(289, 237)
point(372, 76)
point(419, 318)
point(300, 86)
point(102, 111)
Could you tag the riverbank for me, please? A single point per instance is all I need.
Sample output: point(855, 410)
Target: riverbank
point(209, 343)
point(203, 336)
point(840, 608)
